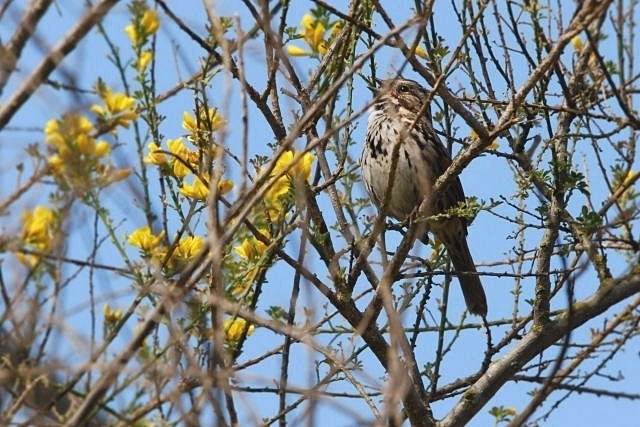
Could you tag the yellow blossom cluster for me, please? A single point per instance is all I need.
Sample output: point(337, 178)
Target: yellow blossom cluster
point(144, 239)
point(313, 33)
point(181, 162)
point(72, 135)
point(38, 226)
point(235, 327)
point(577, 43)
point(144, 59)
point(199, 128)
point(78, 159)
point(152, 245)
point(199, 190)
point(111, 316)
point(38, 230)
point(419, 51)
point(251, 248)
point(494, 145)
point(155, 156)
point(144, 24)
point(298, 169)
point(118, 109)
point(291, 169)
point(626, 180)
point(142, 27)
point(188, 248)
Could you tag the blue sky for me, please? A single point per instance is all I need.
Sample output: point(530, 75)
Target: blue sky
point(177, 58)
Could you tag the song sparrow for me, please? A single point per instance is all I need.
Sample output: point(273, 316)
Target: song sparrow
point(422, 158)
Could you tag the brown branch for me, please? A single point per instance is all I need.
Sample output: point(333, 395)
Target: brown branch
point(10, 54)
point(53, 59)
point(587, 13)
point(20, 191)
point(555, 382)
point(536, 341)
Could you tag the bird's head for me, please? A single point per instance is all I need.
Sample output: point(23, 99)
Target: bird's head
point(401, 94)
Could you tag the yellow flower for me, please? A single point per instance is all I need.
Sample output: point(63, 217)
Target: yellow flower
point(307, 21)
point(419, 51)
point(207, 120)
point(118, 107)
point(154, 157)
point(85, 144)
point(177, 147)
point(131, 32)
point(143, 60)
point(279, 188)
point(630, 192)
point(52, 133)
point(224, 186)
point(30, 261)
point(198, 190)
point(300, 170)
point(629, 176)
point(336, 28)
point(294, 50)
point(577, 44)
point(315, 38)
point(82, 125)
point(144, 239)
point(313, 33)
point(110, 315)
point(147, 26)
point(189, 247)
point(150, 22)
point(322, 48)
point(119, 175)
point(54, 137)
point(283, 161)
point(55, 161)
point(493, 145)
point(38, 227)
point(69, 134)
point(189, 122)
point(77, 158)
point(251, 248)
point(234, 328)
point(120, 103)
point(102, 148)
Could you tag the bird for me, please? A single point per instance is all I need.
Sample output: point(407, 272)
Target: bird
point(421, 159)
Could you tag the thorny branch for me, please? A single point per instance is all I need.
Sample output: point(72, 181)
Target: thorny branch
point(549, 105)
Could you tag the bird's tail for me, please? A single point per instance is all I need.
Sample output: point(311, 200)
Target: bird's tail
point(472, 290)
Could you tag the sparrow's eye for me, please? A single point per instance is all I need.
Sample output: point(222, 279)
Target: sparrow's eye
point(403, 88)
